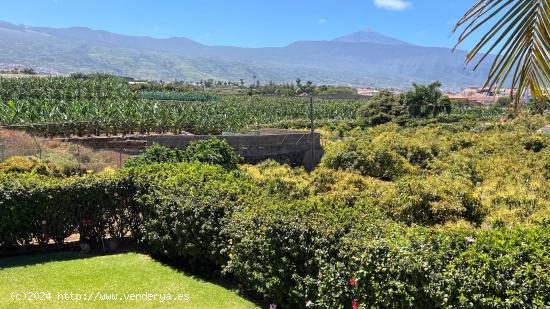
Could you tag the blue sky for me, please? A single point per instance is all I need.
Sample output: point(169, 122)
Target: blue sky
point(250, 23)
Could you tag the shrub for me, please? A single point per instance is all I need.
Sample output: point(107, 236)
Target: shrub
point(274, 178)
point(276, 247)
point(186, 207)
point(381, 109)
point(417, 151)
point(441, 269)
point(212, 151)
point(156, 154)
point(368, 159)
point(23, 198)
point(434, 199)
point(104, 205)
point(30, 165)
point(347, 187)
point(36, 208)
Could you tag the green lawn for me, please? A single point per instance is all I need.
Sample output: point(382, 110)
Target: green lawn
point(128, 276)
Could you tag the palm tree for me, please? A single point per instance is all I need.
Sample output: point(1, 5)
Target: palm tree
point(519, 34)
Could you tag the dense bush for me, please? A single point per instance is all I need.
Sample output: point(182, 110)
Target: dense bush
point(156, 154)
point(448, 215)
point(274, 178)
point(212, 151)
point(378, 161)
point(424, 101)
point(434, 199)
point(36, 208)
point(276, 248)
point(502, 166)
point(18, 164)
point(382, 108)
point(295, 246)
point(449, 269)
point(186, 206)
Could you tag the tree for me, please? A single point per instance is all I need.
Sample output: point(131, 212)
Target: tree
point(427, 101)
point(382, 108)
point(519, 34)
point(308, 88)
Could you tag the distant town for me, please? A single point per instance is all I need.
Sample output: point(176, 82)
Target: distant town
point(474, 95)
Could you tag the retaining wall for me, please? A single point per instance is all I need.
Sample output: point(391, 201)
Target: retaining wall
point(291, 147)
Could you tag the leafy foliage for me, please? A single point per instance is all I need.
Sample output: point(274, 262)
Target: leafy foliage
point(186, 209)
point(518, 34)
point(381, 109)
point(447, 212)
point(379, 161)
point(212, 151)
point(98, 105)
point(39, 208)
point(423, 101)
point(446, 269)
point(427, 101)
point(19, 164)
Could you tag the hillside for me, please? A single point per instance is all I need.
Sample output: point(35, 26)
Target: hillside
point(363, 59)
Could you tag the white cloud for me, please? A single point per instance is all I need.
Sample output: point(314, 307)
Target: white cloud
point(396, 5)
point(322, 21)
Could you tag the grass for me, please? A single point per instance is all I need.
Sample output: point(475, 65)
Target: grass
point(122, 274)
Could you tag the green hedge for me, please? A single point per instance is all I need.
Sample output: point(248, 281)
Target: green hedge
point(291, 250)
point(39, 208)
point(450, 269)
point(186, 206)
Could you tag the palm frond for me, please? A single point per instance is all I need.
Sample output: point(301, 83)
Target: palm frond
point(519, 35)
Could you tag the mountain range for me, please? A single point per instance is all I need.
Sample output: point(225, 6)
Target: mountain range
point(364, 58)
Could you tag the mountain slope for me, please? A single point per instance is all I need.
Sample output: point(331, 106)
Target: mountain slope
point(363, 58)
point(369, 36)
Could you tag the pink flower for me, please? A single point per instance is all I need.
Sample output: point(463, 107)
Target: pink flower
point(352, 281)
point(470, 239)
point(354, 304)
point(309, 303)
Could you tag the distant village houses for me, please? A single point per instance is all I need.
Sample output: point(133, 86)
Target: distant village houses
point(479, 96)
point(371, 92)
point(368, 92)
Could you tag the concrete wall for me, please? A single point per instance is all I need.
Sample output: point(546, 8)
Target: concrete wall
point(294, 148)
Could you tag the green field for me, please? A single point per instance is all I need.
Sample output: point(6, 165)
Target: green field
point(50, 276)
point(107, 105)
